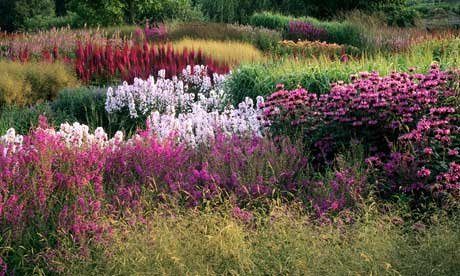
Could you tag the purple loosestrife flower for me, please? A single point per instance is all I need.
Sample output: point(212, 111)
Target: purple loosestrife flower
point(242, 215)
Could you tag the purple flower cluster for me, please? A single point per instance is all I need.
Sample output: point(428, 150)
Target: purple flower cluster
point(407, 121)
point(155, 33)
point(44, 182)
point(242, 215)
point(305, 31)
point(343, 190)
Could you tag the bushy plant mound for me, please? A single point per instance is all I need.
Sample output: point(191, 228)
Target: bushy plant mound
point(25, 84)
point(407, 122)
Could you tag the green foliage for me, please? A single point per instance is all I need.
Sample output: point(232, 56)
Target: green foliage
point(270, 20)
point(40, 22)
point(241, 10)
point(98, 12)
point(400, 16)
point(162, 10)
point(25, 84)
point(22, 119)
point(231, 10)
point(15, 13)
point(113, 12)
point(84, 105)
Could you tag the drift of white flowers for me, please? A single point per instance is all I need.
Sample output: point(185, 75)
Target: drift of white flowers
point(145, 96)
point(191, 108)
point(79, 135)
point(200, 125)
point(76, 134)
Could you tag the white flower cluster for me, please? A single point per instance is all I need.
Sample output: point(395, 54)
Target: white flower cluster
point(198, 77)
point(11, 140)
point(200, 125)
point(79, 135)
point(75, 135)
point(145, 96)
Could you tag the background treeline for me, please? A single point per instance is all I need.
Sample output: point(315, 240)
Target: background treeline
point(42, 14)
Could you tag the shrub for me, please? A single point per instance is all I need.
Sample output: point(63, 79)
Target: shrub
point(409, 112)
point(163, 10)
point(48, 22)
point(14, 14)
point(85, 105)
point(229, 11)
point(270, 21)
point(400, 16)
point(97, 13)
point(24, 84)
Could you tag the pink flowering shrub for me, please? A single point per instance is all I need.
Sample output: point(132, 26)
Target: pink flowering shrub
point(48, 188)
point(408, 122)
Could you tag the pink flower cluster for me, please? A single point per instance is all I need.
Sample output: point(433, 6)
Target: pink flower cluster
point(413, 114)
point(46, 182)
point(450, 181)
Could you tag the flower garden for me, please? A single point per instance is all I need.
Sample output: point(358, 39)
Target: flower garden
point(284, 145)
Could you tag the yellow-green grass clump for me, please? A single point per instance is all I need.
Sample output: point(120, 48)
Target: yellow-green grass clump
point(28, 83)
point(229, 52)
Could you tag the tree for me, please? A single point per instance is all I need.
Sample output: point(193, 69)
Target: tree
point(98, 12)
point(13, 13)
point(61, 8)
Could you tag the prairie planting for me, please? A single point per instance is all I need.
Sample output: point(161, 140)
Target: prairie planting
point(221, 137)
